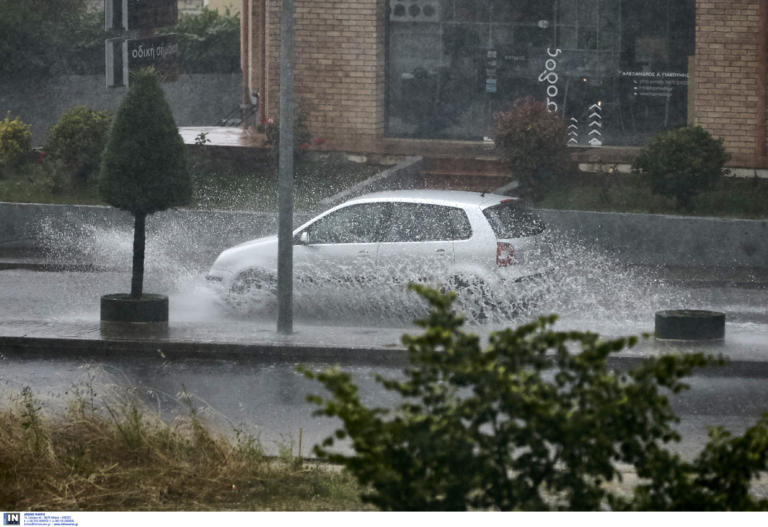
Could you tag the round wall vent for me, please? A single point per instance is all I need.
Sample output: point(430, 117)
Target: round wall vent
point(415, 11)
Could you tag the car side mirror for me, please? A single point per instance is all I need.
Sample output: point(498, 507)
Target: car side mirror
point(303, 238)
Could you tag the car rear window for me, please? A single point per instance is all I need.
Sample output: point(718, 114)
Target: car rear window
point(509, 220)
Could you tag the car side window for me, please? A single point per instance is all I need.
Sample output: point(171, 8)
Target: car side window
point(354, 224)
point(461, 229)
point(419, 222)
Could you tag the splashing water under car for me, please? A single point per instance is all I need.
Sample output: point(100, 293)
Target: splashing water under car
point(584, 286)
point(588, 289)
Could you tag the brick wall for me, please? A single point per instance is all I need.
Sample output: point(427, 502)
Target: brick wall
point(338, 68)
point(727, 83)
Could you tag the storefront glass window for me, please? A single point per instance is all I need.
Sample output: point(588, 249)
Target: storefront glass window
point(616, 70)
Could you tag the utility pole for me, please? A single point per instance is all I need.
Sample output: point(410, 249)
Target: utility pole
point(285, 185)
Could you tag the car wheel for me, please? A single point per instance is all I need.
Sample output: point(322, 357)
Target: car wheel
point(533, 290)
point(251, 288)
point(253, 280)
point(474, 298)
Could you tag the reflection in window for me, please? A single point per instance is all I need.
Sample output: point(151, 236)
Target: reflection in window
point(416, 222)
point(353, 224)
point(447, 77)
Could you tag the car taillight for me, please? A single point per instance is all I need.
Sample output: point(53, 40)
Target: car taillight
point(505, 254)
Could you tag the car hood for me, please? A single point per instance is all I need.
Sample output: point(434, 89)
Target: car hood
point(258, 242)
point(260, 252)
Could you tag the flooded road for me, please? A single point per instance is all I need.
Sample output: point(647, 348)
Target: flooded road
point(268, 399)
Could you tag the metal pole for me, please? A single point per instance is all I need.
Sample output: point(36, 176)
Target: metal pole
point(246, 44)
point(285, 186)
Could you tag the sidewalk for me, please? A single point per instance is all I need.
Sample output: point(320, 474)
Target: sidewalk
point(232, 340)
point(258, 341)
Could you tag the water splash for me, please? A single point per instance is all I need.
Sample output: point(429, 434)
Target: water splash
point(587, 288)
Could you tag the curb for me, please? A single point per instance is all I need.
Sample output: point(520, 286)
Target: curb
point(135, 349)
point(51, 267)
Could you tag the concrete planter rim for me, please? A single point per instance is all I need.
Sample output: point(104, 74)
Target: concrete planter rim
point(125, 309)
point(689, 325)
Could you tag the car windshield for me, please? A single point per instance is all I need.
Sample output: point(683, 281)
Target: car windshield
point(509, 220)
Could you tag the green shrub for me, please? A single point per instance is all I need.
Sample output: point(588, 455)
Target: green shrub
point(77, 139)
point(532, 141)
point(209, 42)
point(15, 141)
point(50, 37)
point(534, 420)
point(302, 138)
point(683, 163)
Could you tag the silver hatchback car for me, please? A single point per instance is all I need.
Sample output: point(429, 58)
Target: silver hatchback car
point(452, 238)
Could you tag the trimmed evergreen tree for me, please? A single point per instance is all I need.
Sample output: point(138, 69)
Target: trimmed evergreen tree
point(143, 169)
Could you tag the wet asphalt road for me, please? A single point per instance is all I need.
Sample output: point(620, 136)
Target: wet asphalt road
point(268, 399)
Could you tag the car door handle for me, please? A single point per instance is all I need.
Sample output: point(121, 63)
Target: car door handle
point(442, 251)
point(362, 252)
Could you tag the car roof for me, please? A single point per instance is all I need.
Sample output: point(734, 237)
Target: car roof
point(458, 198)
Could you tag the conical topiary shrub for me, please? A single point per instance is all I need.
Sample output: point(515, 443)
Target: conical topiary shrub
point(143, 170)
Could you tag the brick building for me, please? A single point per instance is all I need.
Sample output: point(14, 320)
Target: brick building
point(380, 75)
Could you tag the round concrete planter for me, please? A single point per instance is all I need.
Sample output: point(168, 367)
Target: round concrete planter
point(123, 315)
point(690, 325)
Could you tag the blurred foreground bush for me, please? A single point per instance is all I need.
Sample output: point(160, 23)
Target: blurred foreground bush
point(534, 421)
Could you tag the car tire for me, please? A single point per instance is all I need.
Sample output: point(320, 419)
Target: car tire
point(534, 289)
point(474, 298)
point(253, 280)
point(251, 290)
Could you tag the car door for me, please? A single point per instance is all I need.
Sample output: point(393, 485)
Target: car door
point(340, 246)
point(417, 244)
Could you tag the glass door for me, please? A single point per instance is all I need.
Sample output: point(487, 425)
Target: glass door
point(449, 72)
point(616, 70)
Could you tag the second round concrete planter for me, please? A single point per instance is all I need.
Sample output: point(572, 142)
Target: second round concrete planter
point(125, 316)
point(690, 325)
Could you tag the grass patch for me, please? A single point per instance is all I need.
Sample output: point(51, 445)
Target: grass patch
point(45, 183)
point(219, 183)
point(122, 458)
point(232, 184)
point(731, 196)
